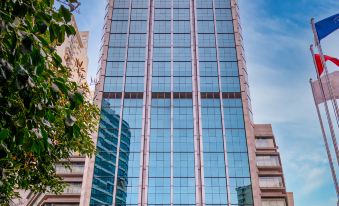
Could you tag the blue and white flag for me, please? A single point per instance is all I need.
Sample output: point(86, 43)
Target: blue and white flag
point(327, 26)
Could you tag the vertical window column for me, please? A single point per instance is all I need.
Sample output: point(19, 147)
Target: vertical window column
point(159, 172)
point(105, 159)
point(183, 173)
point(124, 14)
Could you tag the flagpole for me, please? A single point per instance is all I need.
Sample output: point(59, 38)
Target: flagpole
point(329, 156)
point(329, 119)
point(329, 85)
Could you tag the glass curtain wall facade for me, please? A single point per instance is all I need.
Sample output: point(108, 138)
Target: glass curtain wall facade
point(172, 130)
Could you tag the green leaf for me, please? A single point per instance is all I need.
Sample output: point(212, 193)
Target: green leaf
point(70, 30)
point(4, 133)
point(67, 15)
point(61, 36)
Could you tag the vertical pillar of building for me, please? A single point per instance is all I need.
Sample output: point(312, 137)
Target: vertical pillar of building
point(144, 163)
point(249, 127)
point(98, 96)
point(172, 102)
point(222, 108)
point(198, 157)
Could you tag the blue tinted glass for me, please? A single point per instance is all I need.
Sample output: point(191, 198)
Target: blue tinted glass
point(116, 54)
point(182, 54)
point(136, 54)
point(181, 3)
point(113, 84)
point(162, 14)
point(119, 27)
point(137, 40)
point(162, 4)
point(225, 27)
point(204, 3)
point(209, 84)
point(139, 4)
point(206, 27)
point(120, 14)
point(226, 40)
point(205, 14)
point(182, 69)
point(114, 68)
point(222, 3)
point(182, 26)
point(181, 14)
point(206, 40)
point(207, 54)
point(229, 69)
point(223, 14)
point(182, 40)
point(139, 14)
point(162, 27)
point(227, 54)
point(138, 27)
point(161, 69)
point(208, 69)
point(230, 84)
point(135, 69)
point(121, 4)
point(162, 54)
point(117, 40)
point(162, 40)
point(134, 84)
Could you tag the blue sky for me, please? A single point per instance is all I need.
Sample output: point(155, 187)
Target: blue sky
point(277, 36)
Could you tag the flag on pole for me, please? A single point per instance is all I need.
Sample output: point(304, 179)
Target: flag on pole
point(334, 79)
point(327, 26)
point(327, 58)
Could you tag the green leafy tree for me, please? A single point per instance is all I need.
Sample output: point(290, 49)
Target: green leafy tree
point(44, 117)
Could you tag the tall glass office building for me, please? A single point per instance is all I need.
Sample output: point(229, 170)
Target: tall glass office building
point(176, 124)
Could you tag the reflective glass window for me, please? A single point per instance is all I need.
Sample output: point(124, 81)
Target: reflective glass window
point(138, 27)
point(206, 40)
point(135, 69)
point(229, 68)
point(223, 14)
point(227, 54)
point(208, 69)
point(162, 69)
point(181, 40)
point(205, 14)
point(209, 84)
point(162, 14)
point(117, 40)
point(114, 68)
point(139, 14)
point(113, 84)
point(116, 54)
point(162, 27)
point(162, 40)
point(181, 14)
point(134, 84)
point(119, 27)
point(181, 27)
point(226, 40)
point(120, 14)
point(182, 69)
point(137, 40)
point(225, 27)
point(205, 27)
point(162, 54)
point(136, 54)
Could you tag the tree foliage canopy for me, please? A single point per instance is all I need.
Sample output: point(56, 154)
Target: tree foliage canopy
point(44, 117)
